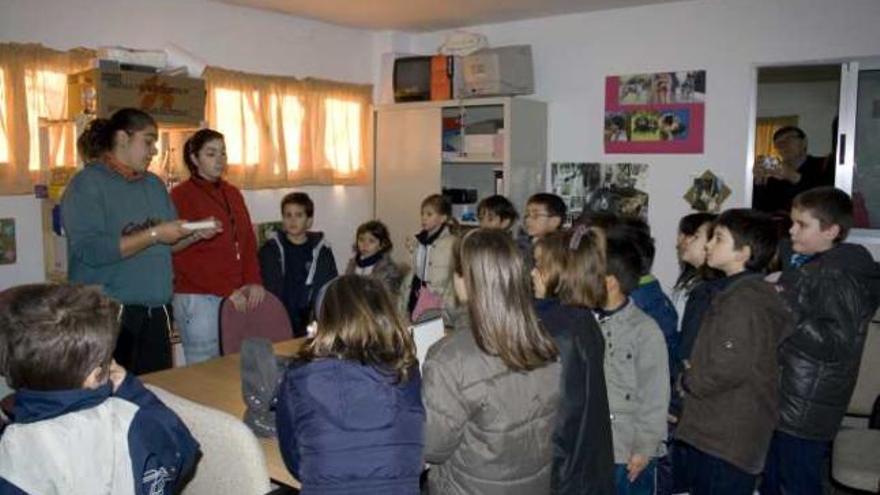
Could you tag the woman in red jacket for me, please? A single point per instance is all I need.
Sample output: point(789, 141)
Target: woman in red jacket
point(224, 266)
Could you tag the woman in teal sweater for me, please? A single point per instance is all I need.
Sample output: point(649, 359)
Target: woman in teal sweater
point(121, 226)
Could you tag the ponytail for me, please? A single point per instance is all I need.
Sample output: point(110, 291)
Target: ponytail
point(95, 140)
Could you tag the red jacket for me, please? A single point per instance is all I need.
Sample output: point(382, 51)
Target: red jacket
point(225, 262)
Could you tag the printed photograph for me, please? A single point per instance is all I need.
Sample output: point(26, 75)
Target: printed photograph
point(635, 89)
point(645, 126)
point(613, 187)
point(673, 125)
point(616, 126)
point(7, 241)
point(689, 86)
point(707, 193)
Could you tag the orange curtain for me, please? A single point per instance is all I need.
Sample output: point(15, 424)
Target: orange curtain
point(283, 131)
point(764, 130)
point(34, 132)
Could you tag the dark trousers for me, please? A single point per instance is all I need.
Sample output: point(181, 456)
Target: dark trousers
point(645, 484)
point(144, 345)
point(794, 465)
point(709, 475)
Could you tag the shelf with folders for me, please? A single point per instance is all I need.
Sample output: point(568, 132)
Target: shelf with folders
point(59, 162)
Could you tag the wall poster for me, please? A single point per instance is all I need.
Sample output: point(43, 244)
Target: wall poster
point(655, 113)
point(619, 188)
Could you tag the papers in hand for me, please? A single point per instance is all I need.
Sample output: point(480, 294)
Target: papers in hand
point(201, 225)
point(425, 334)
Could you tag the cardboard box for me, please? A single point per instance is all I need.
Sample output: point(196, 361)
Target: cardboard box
point(480, 144)
point(176, 101)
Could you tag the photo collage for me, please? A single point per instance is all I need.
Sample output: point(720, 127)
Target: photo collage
point(655, 113)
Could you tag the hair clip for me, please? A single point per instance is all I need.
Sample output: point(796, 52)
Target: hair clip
point(578, 234)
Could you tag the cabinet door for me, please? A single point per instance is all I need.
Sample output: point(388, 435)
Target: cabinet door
point(408, 155)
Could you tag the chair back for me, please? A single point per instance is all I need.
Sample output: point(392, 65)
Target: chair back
point(868, 383)
point(268, 320)
point(232, 457)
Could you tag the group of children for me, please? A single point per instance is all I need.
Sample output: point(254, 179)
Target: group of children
point(566, 369)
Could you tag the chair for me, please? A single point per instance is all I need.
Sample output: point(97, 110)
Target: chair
point(854, 460)
point(868, 383)
point(232, 459)
point(268, 320)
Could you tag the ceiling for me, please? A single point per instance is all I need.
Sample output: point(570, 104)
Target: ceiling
point(431, 15)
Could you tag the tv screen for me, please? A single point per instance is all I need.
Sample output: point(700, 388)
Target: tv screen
point(412, 79)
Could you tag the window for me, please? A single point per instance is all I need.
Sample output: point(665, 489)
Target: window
point(281, 131)
point(46, 93)
point(34, 132)
point(290, 122)
point(236, 119)
point(342, 135)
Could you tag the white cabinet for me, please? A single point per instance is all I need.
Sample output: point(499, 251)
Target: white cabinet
point(485, 146)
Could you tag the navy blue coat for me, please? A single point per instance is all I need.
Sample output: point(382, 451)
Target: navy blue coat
point(348, 428)
point(650, 298)
point(160, 450)
point(583, 455)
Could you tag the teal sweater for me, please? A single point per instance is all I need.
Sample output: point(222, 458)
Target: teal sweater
point(99, 207)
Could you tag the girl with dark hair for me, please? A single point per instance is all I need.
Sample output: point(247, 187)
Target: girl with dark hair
point(372, 256)
point(350, 417)
point(121, 227)
point(225, 266)
point(694, 231)
point(491, 387)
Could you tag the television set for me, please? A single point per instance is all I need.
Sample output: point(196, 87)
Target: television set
point(412, 79)
point(502, 71)
point(425, 78)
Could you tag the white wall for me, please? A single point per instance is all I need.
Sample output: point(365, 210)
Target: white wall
point(814, 103)
point(573, 54)
point(219, 34)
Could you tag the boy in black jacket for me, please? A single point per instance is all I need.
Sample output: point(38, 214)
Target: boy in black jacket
point(295, 264)
point(833, 289)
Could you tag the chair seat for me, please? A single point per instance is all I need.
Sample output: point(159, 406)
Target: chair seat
point(856, 462)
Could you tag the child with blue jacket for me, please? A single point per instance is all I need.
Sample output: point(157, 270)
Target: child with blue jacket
point(296, 263)
point(81, 423)
point(350, 417)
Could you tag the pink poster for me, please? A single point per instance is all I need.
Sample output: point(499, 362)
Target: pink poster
point(655, 113)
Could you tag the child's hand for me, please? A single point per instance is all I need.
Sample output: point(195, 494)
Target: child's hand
point(635, 466)
point(410, 244)
point(117, 375)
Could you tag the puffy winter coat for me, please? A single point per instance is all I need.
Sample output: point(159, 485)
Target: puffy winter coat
point(833, 297)
point(488, 428)
point(344, 427)
point(583, 453)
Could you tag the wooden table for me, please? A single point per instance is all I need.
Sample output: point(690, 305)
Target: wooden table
point(217, 383)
